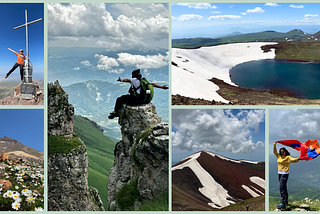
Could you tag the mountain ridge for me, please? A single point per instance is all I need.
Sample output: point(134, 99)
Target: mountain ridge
point(9, 145)
point(216, 180)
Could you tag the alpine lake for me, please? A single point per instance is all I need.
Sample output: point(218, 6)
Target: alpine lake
point(300, 78)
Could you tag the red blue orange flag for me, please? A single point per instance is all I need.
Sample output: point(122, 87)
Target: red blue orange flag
point(309, 149)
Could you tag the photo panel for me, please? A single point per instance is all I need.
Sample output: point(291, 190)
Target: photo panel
point(22, 54)
point(22, 171)
point(218, 160)
point(293, 166)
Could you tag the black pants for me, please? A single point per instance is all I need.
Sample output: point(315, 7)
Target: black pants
point(283, 179)
point(14, 68)
point(125, 99)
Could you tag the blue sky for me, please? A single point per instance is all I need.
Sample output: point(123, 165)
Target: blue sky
point(13, 15)
point(237, 134)
point(25, 126)
point(216, 19)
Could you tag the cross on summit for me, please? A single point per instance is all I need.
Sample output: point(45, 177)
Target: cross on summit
point(27, 69)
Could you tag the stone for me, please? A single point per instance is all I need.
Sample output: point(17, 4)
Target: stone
point(3, 157)
point(60, 112)
point(142, 153)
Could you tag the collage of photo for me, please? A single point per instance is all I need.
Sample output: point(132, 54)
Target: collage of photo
point(171, 107)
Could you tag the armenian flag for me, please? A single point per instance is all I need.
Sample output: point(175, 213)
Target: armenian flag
point(309, 149)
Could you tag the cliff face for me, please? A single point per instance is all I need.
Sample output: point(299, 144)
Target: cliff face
point(141, 155)
point(60, 112)
point(68, 188)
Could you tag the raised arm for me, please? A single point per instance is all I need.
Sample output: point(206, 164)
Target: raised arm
point(12, 50)
point(275, 149)
point(123, 80)
point(159, 86)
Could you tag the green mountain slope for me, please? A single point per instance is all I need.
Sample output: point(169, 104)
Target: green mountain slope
point(265, 36)
point(100, 154)
point(96, 99)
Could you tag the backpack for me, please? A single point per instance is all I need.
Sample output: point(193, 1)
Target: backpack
point(146, 92)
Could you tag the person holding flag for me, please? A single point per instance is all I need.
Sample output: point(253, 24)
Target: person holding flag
point(284, 159)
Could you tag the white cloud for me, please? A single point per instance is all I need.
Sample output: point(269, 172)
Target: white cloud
point(215, 12)
point(143, 62)
point(76, 68)
point(294, 124)
point(86, 63)
point(296, 6)
point(188, 17)
point(224, 17)
point(272, 4)
point(216, 130)
point(198, 5)
point(256, 10)
point(106, 63)
point(243, 14)
point(310, 15)
point(129, 26)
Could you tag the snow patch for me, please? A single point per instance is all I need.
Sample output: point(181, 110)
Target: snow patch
point(194, 67)
point(250, 191)
point(259, 181)
point(211, 189)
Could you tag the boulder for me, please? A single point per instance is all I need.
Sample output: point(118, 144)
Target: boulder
point(142, 154)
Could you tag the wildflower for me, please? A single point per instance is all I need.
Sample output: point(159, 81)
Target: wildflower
point(10, 193)
point(16, 187)
point(38, 209)
point(16, 205)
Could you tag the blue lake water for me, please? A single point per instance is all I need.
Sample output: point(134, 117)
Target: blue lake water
point(300, 78)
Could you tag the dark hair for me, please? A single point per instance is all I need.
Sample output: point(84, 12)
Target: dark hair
point(285, 150)
point(136, 74)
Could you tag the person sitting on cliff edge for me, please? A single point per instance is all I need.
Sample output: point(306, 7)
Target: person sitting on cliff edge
point(130, 99)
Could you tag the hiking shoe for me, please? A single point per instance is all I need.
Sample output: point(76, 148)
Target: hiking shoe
point(113, 115)
point(6, 77)
point(281, 206)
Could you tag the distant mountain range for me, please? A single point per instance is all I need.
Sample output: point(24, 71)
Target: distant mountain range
point(96, 99)
point(265, 36)
point(9, 146)
point(207, 181)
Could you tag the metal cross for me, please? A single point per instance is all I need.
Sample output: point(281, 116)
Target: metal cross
point(27, 70)
point(26, 25)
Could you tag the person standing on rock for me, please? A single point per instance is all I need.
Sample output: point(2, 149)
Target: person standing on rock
point(19, 63)
point(284, 160)
point(129, 99)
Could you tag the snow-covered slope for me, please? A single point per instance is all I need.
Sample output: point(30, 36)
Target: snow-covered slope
point(192, 68)
point(218, 181)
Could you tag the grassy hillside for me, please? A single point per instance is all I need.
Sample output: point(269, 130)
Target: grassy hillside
point(100, 155)
point(303, 50)
point(265, 36)
point(295, 204)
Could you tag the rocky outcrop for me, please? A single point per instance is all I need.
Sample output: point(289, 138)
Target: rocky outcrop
point(68, 188)
point(17, 98)
point(142, 154)
point(60, 112)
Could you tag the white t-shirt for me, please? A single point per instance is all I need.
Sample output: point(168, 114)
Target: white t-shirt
point(136, 83)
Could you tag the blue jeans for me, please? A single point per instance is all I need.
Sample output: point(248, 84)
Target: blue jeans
point(283, 179)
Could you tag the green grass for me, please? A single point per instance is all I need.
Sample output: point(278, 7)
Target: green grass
point(158, 203)
point(294, 203)
point(100, 155)
point(60, 144)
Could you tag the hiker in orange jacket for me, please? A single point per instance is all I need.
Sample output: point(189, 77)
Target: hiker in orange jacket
point(20, 62)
